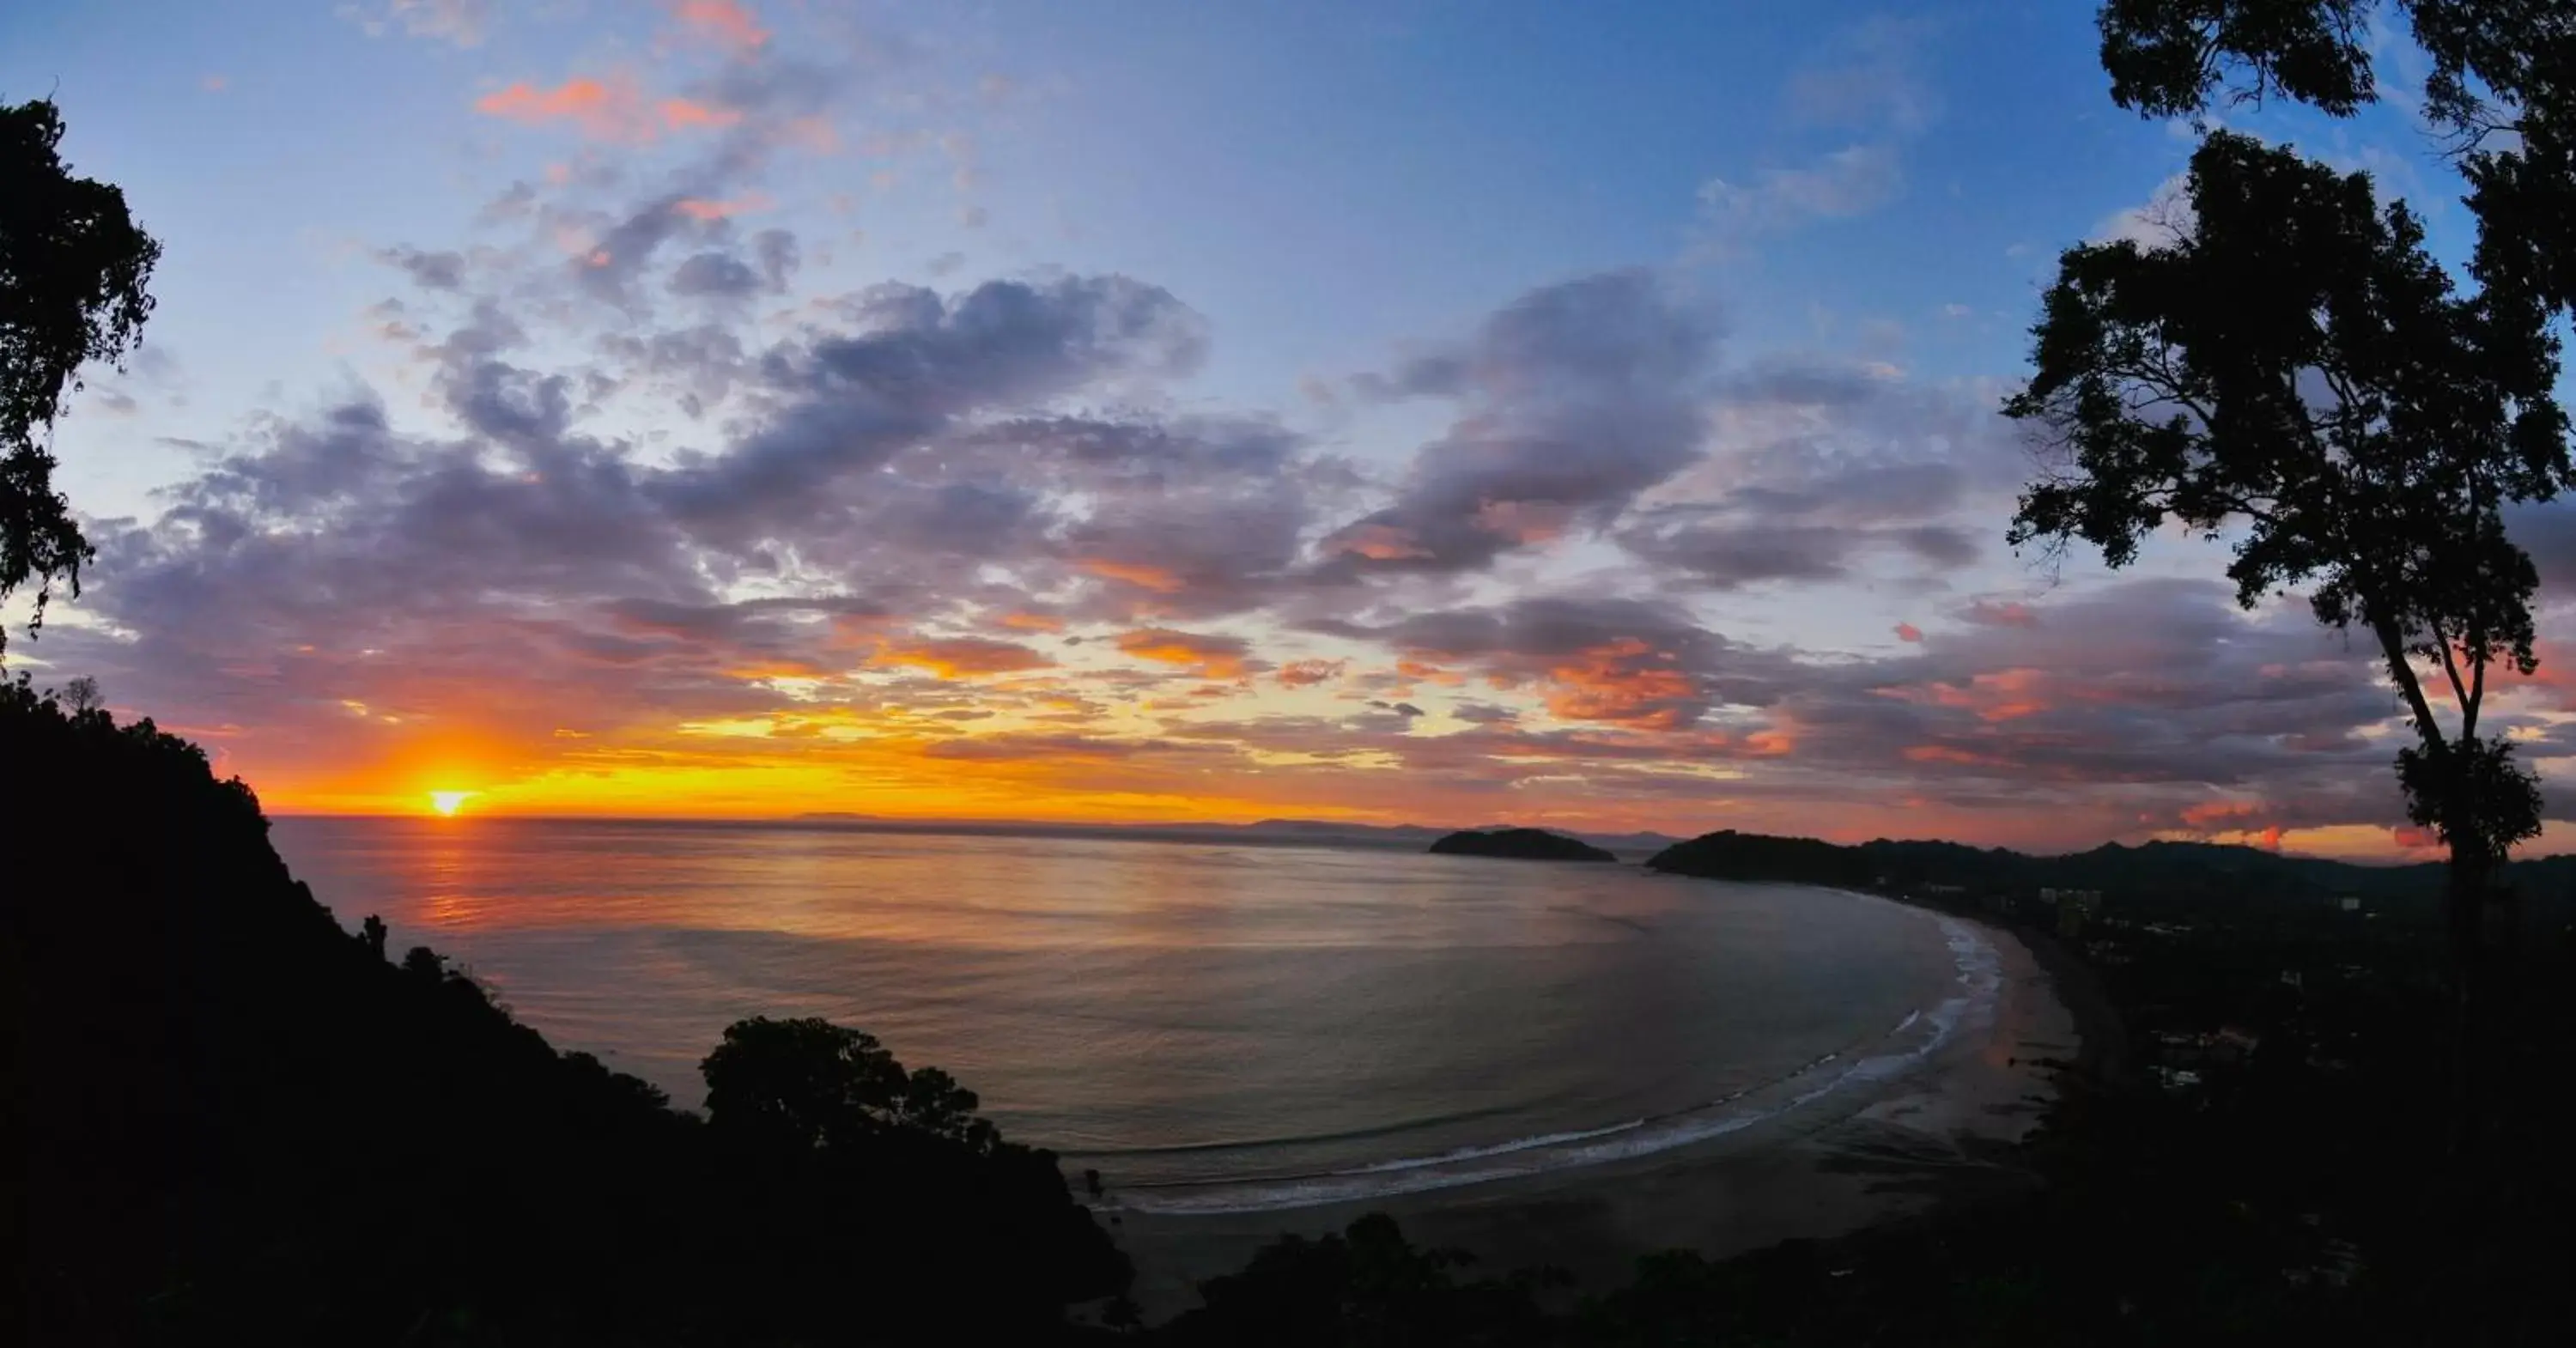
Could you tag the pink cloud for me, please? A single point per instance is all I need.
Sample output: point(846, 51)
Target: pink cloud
point(1908, 632)
point(2001, 615)
point(1306, 673)
point(703, 208)
point(681, 114)
point(610, 109)
point(721, 23)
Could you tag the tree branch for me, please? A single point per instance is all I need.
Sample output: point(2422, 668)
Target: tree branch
point(2477, 654)
point(2392, 645)
point(2459, 690)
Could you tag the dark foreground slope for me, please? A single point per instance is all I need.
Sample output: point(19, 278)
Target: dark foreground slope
point(1519, 844)
point(229, 1121)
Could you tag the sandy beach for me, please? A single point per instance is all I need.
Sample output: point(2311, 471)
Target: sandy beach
point(1862, 1155)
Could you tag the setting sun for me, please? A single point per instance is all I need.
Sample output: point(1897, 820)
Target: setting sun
point(449, 802)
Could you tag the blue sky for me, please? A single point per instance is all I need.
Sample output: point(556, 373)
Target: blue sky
point(1578, 413)
point(1326, 181)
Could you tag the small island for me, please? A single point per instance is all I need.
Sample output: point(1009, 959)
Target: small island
point(1524, 844)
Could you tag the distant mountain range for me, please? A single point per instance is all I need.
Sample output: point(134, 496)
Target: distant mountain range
point(2169, 866)
point(1267, 832)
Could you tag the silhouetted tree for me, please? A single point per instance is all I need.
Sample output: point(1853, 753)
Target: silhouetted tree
point(2293, 367)
point(810, 1083)
point(2498, 78)
point(73, 268)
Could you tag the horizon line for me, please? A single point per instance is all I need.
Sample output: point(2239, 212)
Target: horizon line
point(847, 819)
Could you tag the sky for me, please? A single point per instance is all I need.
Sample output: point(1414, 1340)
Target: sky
point(1414, 411)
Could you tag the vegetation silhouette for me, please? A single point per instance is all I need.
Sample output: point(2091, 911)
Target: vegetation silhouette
point(2292, 368)
point(1523, 844)
point(73, 275)
point(229, 1121)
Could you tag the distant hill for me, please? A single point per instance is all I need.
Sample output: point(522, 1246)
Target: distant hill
point(2173, 872)
point(1265, 833)
point(1522, 844)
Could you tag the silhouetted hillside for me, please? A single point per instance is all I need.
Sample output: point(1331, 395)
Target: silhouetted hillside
point(229, 1121)
point(1520, 844)
point(2175, 874)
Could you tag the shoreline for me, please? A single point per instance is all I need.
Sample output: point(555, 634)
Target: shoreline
point(1943, 1132)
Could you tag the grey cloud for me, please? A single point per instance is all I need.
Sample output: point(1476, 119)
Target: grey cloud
point(1574, 399)
point(428, 270)
point(2155, 692)
point(1817, 468)
point(920, 364)
point(716, 275)
point(625, 250)
point(779, 257)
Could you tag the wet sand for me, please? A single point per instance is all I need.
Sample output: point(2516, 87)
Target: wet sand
point(1852, 1159)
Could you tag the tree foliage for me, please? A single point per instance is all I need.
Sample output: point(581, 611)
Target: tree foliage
point(2294, 371)
point(73, 272)
point(809, 1083)
point(230, 1121)
point(2498, 78)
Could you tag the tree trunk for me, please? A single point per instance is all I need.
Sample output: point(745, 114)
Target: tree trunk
point(2463, 910)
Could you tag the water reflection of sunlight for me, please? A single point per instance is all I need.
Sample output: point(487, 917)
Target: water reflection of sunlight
point(443, 878)
point(978, 892)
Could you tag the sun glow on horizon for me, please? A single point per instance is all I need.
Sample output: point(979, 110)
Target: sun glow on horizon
point(449, 802)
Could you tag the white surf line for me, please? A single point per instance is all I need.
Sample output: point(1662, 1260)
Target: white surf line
point(1979, 976)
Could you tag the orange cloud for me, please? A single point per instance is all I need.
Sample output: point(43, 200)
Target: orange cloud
point(721, 23)
point(1213, 657)
point(1625, 681)
point(1434, 674)
point(1943, 753)
point(1770, 743)
point(962, 657)
point(1138, 574)
point(2003, 695)
point(1032, 622)
point(776, 669)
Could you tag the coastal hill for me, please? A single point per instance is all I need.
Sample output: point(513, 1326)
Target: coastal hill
point(1522, 844)
point(2179, 872)
point(232, 1121)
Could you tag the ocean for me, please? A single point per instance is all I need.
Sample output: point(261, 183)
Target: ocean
point(1212, 1026)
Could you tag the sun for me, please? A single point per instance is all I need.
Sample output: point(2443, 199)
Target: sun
point(449, 802)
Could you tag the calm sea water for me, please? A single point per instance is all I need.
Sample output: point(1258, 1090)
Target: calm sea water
point(1212, 1025)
